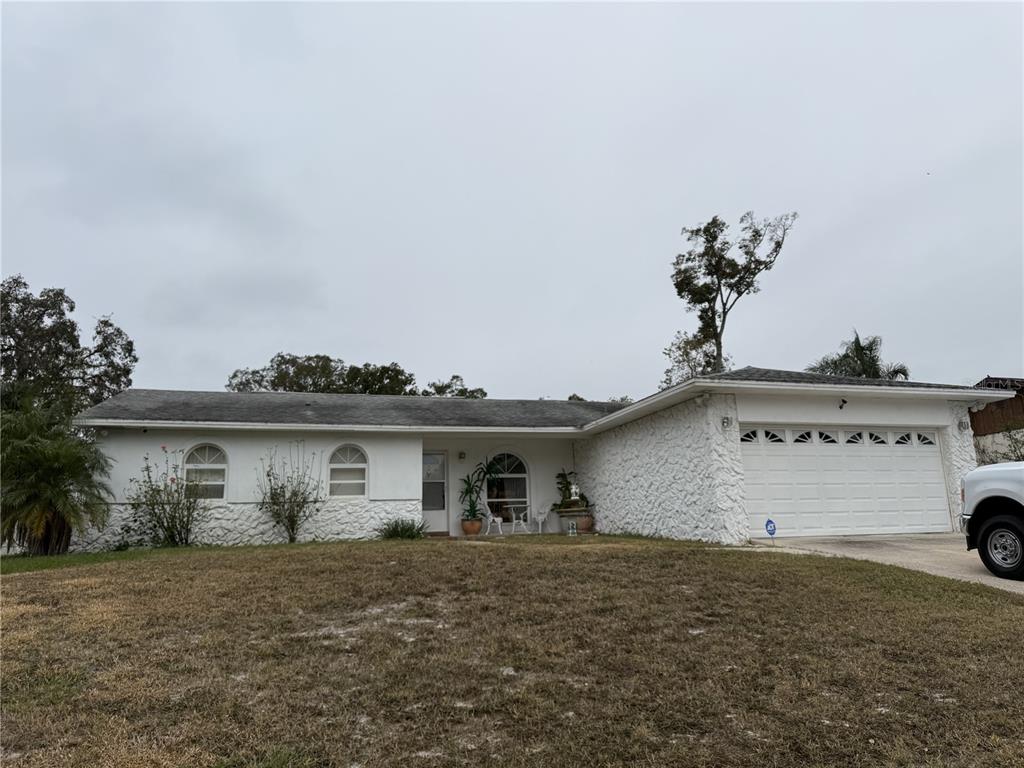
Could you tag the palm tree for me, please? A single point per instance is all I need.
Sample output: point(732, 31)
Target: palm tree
point(52, 482)
point(860, 359)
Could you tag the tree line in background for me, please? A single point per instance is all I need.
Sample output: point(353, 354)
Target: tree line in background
point(716, 272)
point(322, 373)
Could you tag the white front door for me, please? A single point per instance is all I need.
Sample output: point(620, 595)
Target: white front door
point(827, 481)
point(435, 491)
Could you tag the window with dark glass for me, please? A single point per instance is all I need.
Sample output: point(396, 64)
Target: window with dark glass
point(508, 488)
point(434, 479)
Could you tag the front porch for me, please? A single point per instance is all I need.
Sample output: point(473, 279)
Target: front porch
point(517, 499)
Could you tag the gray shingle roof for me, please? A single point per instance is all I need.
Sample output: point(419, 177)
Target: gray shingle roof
point(344, 410)
point(774, 376)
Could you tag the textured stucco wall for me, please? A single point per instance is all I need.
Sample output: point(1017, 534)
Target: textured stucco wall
point(677, 473)
point(958, 454)
point(233, 523)
point(994, 448)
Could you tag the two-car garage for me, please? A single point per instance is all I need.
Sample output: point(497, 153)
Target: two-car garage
point(821, 480)
point(717, 456)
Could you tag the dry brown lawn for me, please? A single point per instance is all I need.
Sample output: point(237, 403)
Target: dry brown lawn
point(588, 652)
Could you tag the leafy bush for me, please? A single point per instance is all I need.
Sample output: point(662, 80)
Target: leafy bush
point(52, 482)
point(402, 528)
point(473, 486)
point(289, 493)
point(166, 510)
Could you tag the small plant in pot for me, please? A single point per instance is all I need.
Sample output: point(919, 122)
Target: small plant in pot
point(469, 496)
point(573, 504)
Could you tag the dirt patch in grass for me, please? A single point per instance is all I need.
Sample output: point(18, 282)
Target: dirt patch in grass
point(596, 652)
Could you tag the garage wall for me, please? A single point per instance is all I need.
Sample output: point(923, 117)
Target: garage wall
point(815, 408)
point(676, 473)
point(958, 454)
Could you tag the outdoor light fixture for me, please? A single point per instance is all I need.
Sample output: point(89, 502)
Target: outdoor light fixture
point(727, 421)
point(842, 403)
point(462, 455)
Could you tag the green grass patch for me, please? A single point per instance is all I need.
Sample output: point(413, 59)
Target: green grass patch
point(10, 564)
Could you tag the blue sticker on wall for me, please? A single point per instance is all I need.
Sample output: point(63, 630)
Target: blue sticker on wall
point(769, 527)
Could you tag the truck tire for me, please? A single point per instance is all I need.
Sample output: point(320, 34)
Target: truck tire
point(1001, 546)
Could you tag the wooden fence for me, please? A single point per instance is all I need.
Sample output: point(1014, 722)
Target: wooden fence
point(996, 417)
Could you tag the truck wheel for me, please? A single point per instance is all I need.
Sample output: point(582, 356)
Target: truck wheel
point(1001, 546)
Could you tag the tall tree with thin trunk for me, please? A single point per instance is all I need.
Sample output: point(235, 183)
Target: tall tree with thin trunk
point(717, 272)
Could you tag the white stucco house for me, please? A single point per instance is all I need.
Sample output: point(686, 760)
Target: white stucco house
point(710, 459)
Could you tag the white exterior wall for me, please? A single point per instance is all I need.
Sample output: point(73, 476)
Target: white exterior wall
point(958, 454)
point(544, 458)
point(991, 448)
point(393, 482)
point(956, 447)
point(675, 473)
point(823, 409)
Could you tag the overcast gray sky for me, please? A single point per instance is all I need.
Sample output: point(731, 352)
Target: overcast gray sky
point(498, 191)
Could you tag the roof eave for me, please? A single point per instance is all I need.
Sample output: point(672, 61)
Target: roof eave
point(698, 386)
point(101, 423)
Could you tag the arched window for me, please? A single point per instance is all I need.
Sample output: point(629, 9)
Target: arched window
point(348, 471)
point(508, 489)
point(206, 469)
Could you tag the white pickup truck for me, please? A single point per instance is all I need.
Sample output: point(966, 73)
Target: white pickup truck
point(992, 516)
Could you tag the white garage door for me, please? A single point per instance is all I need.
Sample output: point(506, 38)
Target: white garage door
point(826, 481)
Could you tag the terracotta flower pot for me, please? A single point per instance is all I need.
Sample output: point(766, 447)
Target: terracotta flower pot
point(472, 527)
point(585, 523)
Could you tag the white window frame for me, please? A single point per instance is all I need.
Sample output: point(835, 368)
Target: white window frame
point(443, 481)
point(364, 465)
point(206, 466)
point(514, 502)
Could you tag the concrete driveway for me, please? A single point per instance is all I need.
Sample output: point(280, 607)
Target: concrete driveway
point(941, 554)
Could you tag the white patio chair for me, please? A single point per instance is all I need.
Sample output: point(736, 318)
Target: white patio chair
point(541, 515)
point(492, 519)
point(520, 514)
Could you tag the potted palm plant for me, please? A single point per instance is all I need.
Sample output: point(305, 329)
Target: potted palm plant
point(469, 496)
point(572, 504)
